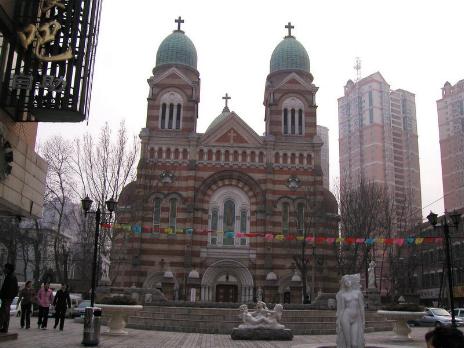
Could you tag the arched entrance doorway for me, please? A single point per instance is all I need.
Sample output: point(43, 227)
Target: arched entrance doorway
point(227, 281)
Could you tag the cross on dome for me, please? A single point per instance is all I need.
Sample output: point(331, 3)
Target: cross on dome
point(226, 98)
point(179, 21)
point(289, 26)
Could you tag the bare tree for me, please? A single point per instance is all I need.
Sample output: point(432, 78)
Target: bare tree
point(309, 210)
point(403, 261)
point(104, 166)
point(59, 192)
point(365, 208)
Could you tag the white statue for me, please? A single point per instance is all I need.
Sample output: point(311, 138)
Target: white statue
point(371, 275)
point(262, 317)
point(350, 313)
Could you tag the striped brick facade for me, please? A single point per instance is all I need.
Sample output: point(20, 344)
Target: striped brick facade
point(191, 167)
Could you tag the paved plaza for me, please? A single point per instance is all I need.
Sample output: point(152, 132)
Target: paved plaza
point(72, 337)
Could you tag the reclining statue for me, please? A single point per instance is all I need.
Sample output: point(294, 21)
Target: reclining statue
point(262, 317)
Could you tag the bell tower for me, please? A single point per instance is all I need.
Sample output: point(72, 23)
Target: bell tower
point(174, 87)
point(289, 96)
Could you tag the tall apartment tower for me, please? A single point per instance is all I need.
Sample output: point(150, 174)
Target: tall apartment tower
point(378, 139)
point(450, 110)
point(323, 133)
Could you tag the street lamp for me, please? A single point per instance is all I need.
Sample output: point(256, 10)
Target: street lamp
point(86, 205)
point(455, 218)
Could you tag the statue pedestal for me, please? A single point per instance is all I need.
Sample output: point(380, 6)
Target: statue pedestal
point(262, 334)
point(373, 299)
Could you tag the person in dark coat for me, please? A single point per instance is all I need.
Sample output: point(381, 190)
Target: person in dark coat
point(61, 302)
point(8, 292)
point(26, 297)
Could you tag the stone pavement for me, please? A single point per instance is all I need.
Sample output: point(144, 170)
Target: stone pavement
point(72, 336)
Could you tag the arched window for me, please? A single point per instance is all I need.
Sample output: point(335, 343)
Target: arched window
point(229, 214)
point(168, 154)
point(226, 156)
point(201, 155)
point(210, 155)
point(218, 155)
point(156, 214)
point(178, 111)
point(309, 159)
point(176, 154)
point(292, 116)
point(171, 116)
point(184, 154)
point(244, 156)
point(229, 221)
point(285, 121)
point(235, 156)
point(243, 221)
point(214, 220)
point(160, 153)
point(261, 157)
point(253, 156)
point(171, 111)
point(163, 116)
point(300, 215)
point(172, 213)
point(292, 121)
point(292, 158)
point(285, 217)
point(152, 153)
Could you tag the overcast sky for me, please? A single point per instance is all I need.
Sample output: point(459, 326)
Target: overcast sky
point(416, 45)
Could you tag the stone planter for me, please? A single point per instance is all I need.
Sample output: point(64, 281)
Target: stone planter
point(400, 325)
point(118, 315)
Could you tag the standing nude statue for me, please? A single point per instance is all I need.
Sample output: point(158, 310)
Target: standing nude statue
point(350, 313)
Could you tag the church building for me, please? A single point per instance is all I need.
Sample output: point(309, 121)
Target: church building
point(228, 215)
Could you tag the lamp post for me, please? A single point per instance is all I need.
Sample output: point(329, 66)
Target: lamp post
point(455, 218)
point(86, 205)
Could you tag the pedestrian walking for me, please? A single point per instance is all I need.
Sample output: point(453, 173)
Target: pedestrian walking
point(26, 298)
point(61, 302)
point(8, 292)
point(44, 299)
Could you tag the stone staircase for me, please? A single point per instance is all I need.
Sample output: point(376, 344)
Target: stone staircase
point(223, 320)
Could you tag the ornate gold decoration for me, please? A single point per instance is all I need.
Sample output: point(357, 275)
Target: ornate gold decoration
point(49, 4)
point(44, 33)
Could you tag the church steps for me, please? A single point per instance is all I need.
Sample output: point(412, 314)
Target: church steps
point(223, 320)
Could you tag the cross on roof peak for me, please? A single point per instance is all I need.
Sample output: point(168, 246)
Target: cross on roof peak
point(289, 26)
point(179, 21)
point(226, 98)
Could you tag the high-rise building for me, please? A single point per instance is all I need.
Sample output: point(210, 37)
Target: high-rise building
point(323, 133)
point(450, 110)
point(378, 139)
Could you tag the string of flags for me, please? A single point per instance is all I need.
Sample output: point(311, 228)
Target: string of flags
point(138, 229)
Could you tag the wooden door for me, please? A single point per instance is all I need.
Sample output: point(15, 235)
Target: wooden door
point(226, 293)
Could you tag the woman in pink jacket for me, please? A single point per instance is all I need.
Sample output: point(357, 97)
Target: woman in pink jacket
point(44, 299)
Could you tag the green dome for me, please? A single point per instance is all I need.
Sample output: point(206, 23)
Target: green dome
point(289, 54)
point(177, 48)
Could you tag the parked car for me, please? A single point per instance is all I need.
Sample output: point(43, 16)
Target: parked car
point(75, 300)
point(15, 308)
point(80, 309)
point(459, 313)
point(436, 317)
